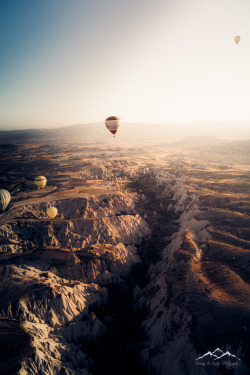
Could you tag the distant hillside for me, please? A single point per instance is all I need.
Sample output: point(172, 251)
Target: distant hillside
point(130, 132)
point(198, 140)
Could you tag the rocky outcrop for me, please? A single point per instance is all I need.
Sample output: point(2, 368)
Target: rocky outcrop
point(78, 234)
point(183, 320)
point(81, 208)
point(81, 222)
point(56, 273)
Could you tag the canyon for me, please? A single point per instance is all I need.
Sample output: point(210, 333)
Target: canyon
point(126, 279)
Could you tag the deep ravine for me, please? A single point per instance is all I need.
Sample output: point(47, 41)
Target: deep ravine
point(118, 350)
point(116, 284)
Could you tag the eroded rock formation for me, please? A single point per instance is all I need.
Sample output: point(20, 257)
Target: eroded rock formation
point(117, 283)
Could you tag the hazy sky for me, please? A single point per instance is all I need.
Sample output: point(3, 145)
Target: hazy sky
point(75, 61)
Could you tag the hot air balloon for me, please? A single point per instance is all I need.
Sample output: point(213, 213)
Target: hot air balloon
point(237, 39)
point(40, 181)
point(4, 199)
point(52, 212)
point(113, 123)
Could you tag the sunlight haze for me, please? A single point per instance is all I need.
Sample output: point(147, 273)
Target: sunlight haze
point(155, 61)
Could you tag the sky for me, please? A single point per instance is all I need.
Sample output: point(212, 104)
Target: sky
point(157, 61)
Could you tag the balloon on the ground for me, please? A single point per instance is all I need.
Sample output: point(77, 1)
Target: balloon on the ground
point(237, 39)
point(40, 181)
point(113, 123)
point(52, 212)
point(4, 199)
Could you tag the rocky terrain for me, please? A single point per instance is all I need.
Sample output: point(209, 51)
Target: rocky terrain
point(189, 311)
point(57, 272)
point(127, 279)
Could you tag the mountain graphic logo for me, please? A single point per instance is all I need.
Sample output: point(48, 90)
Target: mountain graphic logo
point(218, 357)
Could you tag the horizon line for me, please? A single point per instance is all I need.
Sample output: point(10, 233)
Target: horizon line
point(188, 123)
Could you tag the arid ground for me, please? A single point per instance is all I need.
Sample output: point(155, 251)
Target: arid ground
point(146, 266)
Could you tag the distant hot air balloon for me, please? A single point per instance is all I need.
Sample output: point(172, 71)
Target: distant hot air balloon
point(237, 39)
point(4, 199)
point(113, 123)
point(40, 181)
point(52, 212)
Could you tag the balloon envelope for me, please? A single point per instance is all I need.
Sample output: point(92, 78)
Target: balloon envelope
point(4, 199)
point(52, 212)
point(40, 181)
point(237, 39)
point(113, 123)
